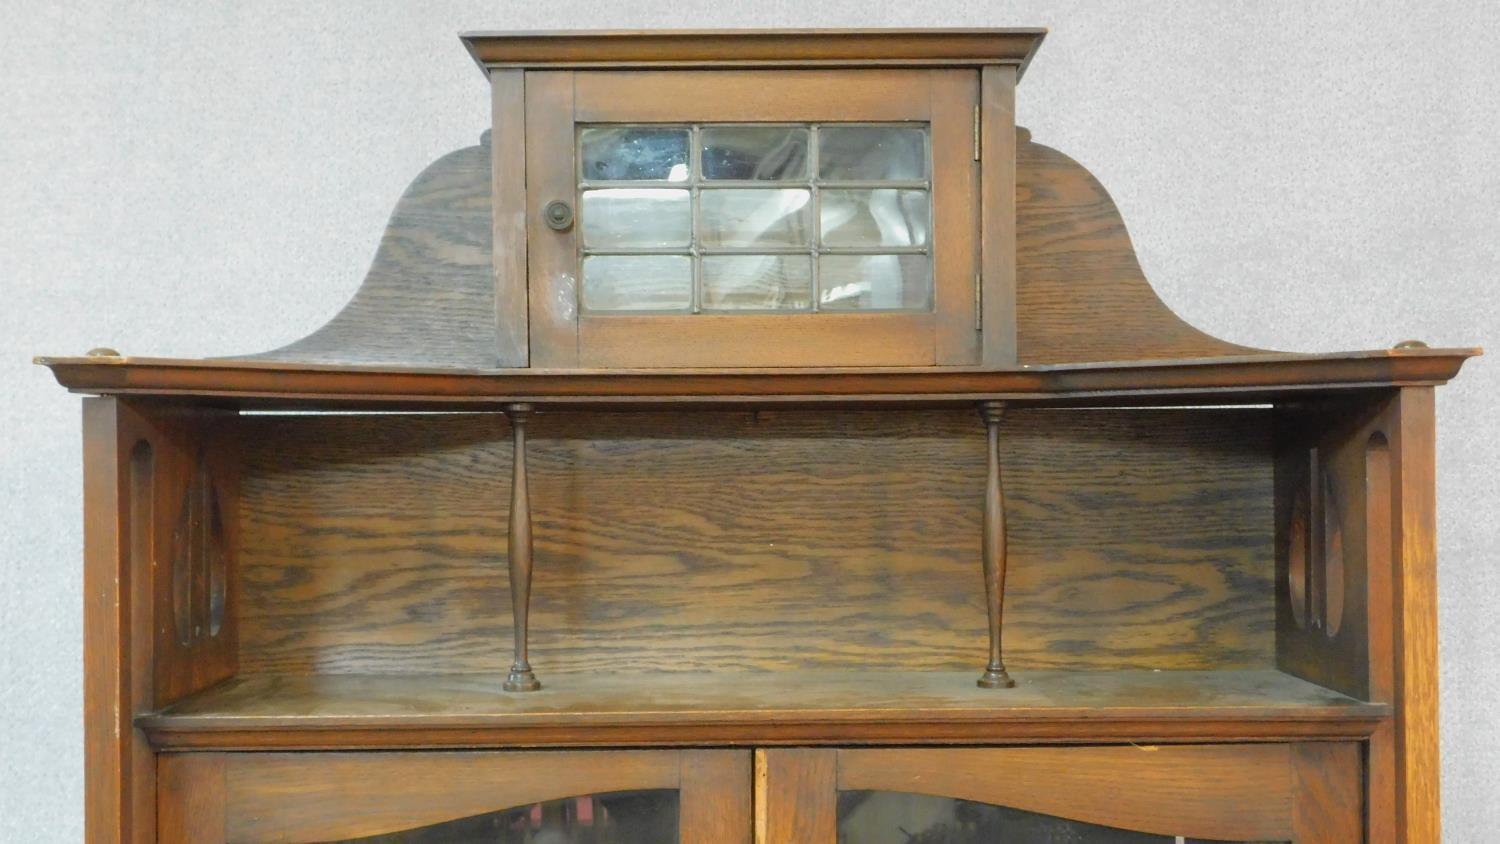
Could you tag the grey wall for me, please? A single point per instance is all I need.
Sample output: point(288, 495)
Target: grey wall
point(211, 178)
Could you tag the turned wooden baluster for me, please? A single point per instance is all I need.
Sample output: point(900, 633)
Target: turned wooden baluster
point(995, 676)
point(521, 678)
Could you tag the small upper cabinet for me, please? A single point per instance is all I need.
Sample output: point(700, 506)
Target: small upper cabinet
point(692, 204)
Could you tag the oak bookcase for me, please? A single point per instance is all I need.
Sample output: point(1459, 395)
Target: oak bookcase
point(668, 476)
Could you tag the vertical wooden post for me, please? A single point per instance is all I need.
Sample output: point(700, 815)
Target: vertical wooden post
point(521, 678)
point(995, 676)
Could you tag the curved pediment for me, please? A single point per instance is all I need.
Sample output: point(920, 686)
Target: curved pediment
point(429, 297)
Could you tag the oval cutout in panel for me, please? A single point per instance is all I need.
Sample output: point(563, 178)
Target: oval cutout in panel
point(1297, 548)
point(199, 564)
point(1332, 558)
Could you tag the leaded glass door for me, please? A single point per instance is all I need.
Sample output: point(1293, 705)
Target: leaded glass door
point(752, 218)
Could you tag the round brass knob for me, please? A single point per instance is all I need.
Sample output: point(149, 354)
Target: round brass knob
point(558, 215)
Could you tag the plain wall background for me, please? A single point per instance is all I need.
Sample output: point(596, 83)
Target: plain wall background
point(212, 178)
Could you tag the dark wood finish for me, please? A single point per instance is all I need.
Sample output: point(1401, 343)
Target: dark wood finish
point(1414, 458)
point(191, 799)
point(955, 212)
point(758, 540)
point(796, 798)
point(552, 256)
point(118, 497)
point(758, 96)
point(1238, 793)
point(1234, 380)
point(152, 552)
point(998, 214)
point(522, 678)
point(758, 708)
point(323, 796)
point(1080, 292)
point(787, 47)
point(1327, 797)
point(509, 216)
point(428, 298)
point(993, 548)
point(717, 797)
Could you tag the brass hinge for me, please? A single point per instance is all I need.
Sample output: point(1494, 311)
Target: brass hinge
point(976, 133)
point(978, 301)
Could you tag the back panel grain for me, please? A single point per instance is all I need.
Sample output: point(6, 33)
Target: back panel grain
point(740, 540)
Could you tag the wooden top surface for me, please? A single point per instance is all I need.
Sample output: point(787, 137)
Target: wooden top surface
point(769, 707)
point(754, 48)
point(1235, 379)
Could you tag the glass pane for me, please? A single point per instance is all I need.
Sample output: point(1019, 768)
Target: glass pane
point(755, 217)
point(884, 817)
point(875, 217)
point(860, 153)
point(757, 282)
point(637, 282)
point(625, 817)
point(754, 152)
point(875, 282)
point(636, 217)
point(633, 153)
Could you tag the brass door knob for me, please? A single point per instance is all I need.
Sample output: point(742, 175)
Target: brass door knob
point(558, 215)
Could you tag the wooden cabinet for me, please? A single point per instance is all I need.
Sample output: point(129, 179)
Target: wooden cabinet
point(757, 437)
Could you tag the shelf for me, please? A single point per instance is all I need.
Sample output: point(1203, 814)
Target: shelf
point(1210, 380)
point(377, 711)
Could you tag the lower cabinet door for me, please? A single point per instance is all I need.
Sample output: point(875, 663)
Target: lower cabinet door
point(559, 797)
point(1308, 793)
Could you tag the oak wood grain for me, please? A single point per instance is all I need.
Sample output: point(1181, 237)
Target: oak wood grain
point(717, 797)
point(799, 804)
point(758, 708)
point(1327, 794)
point(377, 544)
point(509, 217)
point(998, 215)
point(318, 797)
point(1080, 291)
point(191, 801)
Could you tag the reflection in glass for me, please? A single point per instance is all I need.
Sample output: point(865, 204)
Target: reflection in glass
point(626, 817)
point(633, 153)
point(875, 217)
point(755, 217)
point(885, 817)
point(859, 153)
point(875, 282)
point(754, 152)
point(637, 282)
point(636, 217)
point(757, 282)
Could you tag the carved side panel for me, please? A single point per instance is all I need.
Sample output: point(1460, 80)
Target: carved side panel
point(193, 551)
point(1327, 496)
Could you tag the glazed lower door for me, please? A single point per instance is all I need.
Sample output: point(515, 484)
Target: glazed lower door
point(522, 797)
point(1305, 793)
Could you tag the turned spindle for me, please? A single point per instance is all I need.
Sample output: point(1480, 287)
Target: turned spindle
point(995, 676)
point(522, 678)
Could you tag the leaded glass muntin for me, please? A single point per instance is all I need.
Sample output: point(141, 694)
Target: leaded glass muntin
point(756, 192)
